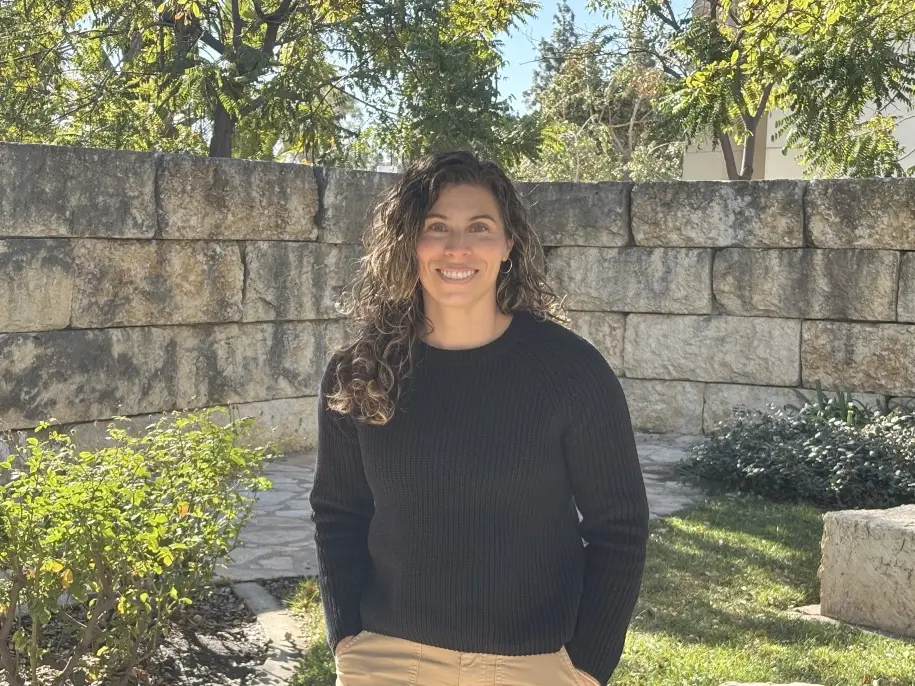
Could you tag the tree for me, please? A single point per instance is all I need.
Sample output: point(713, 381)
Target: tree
point(236, 77)
point(838, 68)
point(597, 112)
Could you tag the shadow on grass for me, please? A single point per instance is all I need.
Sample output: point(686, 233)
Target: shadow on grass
point(729, 570)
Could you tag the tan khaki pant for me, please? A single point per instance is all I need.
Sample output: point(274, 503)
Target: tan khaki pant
point(372, 659)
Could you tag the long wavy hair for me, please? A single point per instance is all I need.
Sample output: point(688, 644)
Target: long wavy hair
point(385, 301)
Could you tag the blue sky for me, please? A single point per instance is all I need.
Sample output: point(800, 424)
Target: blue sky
point(520, 45)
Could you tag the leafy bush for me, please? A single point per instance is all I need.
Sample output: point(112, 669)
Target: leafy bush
point(126, 535)
point(836, 453)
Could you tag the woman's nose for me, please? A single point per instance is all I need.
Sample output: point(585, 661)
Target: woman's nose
point(456, 242)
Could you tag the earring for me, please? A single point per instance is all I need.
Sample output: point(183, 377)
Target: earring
point(511, 266)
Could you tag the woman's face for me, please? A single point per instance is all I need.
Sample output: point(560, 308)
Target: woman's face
point(461, 247)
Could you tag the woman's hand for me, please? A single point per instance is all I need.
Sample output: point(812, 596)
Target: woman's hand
point(342, 643)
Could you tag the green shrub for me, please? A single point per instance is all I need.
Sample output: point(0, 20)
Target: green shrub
point(127, 534)
point(836, 453)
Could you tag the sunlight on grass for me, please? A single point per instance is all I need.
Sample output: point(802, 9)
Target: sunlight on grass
point(716, 606)
point(317, 665)
point(716, 602)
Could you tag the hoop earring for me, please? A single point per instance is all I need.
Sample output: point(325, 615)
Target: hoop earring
point(511, 266)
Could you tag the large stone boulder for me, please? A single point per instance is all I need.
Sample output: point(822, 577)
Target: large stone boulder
point(867, 574)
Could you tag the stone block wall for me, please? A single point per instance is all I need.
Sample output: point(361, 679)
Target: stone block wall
point(138, 283)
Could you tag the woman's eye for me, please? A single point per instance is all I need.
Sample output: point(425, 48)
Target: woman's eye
point(435, 227)
point(480, 227)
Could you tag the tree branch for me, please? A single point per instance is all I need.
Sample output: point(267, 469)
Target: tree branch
point(236, 25)
point(273, 21)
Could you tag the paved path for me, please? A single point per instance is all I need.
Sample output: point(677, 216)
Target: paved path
point(278, 540)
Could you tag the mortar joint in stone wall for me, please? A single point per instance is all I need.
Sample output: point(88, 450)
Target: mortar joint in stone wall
point(242, 251)
point(805, 229)
point(321, 183)
point(159, 165)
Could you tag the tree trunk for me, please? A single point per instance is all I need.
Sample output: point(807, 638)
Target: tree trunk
point(728, 151)
point(749, 152)
point(223, 130)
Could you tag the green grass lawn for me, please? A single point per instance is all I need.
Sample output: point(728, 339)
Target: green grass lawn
point(715, 606)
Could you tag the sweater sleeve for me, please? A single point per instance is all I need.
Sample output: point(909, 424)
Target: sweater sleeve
point(603, 466)
point(342, 507)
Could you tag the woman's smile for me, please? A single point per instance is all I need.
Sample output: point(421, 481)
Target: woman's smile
point(457, 275)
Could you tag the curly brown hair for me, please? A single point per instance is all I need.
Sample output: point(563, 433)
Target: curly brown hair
point(385, 302)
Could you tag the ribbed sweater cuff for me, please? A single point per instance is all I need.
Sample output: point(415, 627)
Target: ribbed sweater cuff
point(590, 655)
point(342, 620)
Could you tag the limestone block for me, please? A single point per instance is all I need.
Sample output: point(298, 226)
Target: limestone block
point(906, 308)
point(664, 406)
point(131, 283)
point(866, 572)
point(750, 350)
point(565, 213)
point(605, 331)
point(289, 423)
point(861, 213)
point(721, 399)
point(349, 199)
point(61, 191)
point(292, 280)
point(237, 363)
point(80, 375)
point(805, 283)
point(36, 284)
point(875, 358)
point(210, 198)
point(664, 280)
point(750, 214)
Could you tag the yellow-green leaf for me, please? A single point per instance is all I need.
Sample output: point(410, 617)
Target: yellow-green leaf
point(52, 566)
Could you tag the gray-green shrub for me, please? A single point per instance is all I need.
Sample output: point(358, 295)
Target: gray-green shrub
point(835, 453)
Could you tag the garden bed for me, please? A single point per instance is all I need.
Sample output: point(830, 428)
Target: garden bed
point(218, 642)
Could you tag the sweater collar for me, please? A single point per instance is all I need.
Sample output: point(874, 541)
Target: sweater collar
point(434, 356)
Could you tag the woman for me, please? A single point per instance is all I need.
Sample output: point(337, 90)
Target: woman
point(457, 434)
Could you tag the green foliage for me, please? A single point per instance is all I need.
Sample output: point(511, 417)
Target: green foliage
point(326, 82)
point(842, 70)
point(597, 113)
point(127, 534)
point(837, 453)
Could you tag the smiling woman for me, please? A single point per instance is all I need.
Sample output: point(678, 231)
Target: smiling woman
point(460, 432)
point(461, 250)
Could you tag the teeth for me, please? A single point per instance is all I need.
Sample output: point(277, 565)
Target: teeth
point(456, 275)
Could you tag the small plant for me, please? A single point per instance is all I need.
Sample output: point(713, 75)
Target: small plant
point(836, 453)
point(125, 535)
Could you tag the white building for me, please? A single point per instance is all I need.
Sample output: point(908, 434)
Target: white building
point(701, 163)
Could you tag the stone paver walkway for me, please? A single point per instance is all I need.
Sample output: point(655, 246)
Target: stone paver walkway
point(278, 540)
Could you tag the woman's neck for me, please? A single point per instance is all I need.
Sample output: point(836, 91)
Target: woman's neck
point(461, 329)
